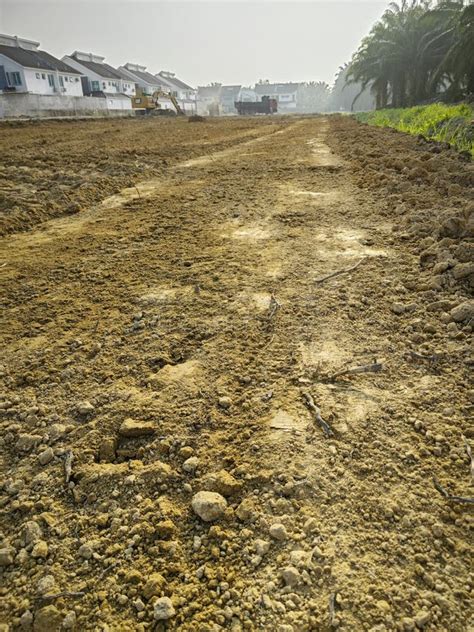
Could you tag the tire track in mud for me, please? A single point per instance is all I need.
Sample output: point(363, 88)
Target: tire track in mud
point(196, 309)
point(141, 190)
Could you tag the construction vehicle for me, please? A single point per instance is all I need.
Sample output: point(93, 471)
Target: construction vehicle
point(150, 104)
point(265, 106)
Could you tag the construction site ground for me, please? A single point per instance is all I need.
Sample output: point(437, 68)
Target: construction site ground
point(172, 325)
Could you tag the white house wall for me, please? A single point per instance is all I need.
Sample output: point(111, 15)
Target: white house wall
point(37, 85)
point(14, 105)
point(119, 103)
point(35, 80)
point(128, 87)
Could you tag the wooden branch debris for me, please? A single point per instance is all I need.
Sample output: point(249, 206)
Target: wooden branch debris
point(107, 569)
point(68, 459)
point(375, 367)
point(432, 359)
point(64, 593)
point(339, 272)
point(332, 608)
point(273, 307)
point(465, 500)
point(309, 401)
point(469, 454)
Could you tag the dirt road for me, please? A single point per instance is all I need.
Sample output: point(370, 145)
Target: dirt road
point(167, 340)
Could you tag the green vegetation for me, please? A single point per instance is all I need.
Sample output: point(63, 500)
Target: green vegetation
point(445, 123)
point(419, 51)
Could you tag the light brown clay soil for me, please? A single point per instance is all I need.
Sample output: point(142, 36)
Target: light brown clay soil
point(192, 305)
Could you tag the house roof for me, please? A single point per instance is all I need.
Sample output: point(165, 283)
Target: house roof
point(36, 59)
point(123, 75)
point(276, 88)
point(100, 68)
point(173, 81)
point(146, 77)
point(209, 91)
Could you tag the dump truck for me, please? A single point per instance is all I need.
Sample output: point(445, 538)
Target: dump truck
point(265, 106)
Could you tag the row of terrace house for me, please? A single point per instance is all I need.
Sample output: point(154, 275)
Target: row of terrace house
point(27, 70)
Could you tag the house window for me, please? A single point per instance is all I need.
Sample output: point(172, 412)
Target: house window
point(77, 79)
point(43, 76)
point(95, 86)
point(51, 81)
point(61, 81)
point(38, 75)
point(66, 79)
point(14, 78)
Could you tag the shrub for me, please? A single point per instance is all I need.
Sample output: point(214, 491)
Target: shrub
point(452, 124)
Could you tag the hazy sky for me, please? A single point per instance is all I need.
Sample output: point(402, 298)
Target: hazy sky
point(202, 41)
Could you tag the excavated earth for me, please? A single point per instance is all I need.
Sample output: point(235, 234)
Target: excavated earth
point(169, 328)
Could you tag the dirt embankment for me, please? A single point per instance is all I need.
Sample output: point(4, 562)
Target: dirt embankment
point(428, 192)
point(165, 343)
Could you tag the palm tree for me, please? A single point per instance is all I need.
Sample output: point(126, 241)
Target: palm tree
point(313, 96)
point(344, 95)
point(451, 45)
point(414, 51)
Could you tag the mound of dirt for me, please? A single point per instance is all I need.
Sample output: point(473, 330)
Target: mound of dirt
point(427, 189)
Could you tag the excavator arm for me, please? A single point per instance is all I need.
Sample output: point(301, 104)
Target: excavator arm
point(165, 95)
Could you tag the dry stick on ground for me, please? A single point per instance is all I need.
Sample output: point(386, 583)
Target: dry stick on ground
point(317, 413)
point(375, 367)
point(107, 569)
point(68, 459)
point(64, 593)
point(469, 454)
point(466, 500)
point(332, 608)
point(338, 272)
point(428, 358)
point(273, 307)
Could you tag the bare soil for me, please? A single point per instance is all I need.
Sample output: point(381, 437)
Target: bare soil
point(185, 294)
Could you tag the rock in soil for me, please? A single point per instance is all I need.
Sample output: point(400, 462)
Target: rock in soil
point(209, 506)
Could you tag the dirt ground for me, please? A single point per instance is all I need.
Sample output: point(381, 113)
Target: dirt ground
point(182, 336)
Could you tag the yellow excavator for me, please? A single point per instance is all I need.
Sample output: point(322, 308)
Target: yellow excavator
point(150, 104)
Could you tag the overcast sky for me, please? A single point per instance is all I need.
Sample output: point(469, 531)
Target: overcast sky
point(226, 41)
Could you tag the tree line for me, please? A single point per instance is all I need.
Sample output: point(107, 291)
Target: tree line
point(418, 52)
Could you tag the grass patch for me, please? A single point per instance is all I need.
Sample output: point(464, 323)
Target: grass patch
point(451, 124)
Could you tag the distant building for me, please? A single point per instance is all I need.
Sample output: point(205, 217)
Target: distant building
point(184, 94)
point(285, 93)
point(26, 69)
point(99, 77)
point(248, 95)
point(228, 96)
point(208, 100)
